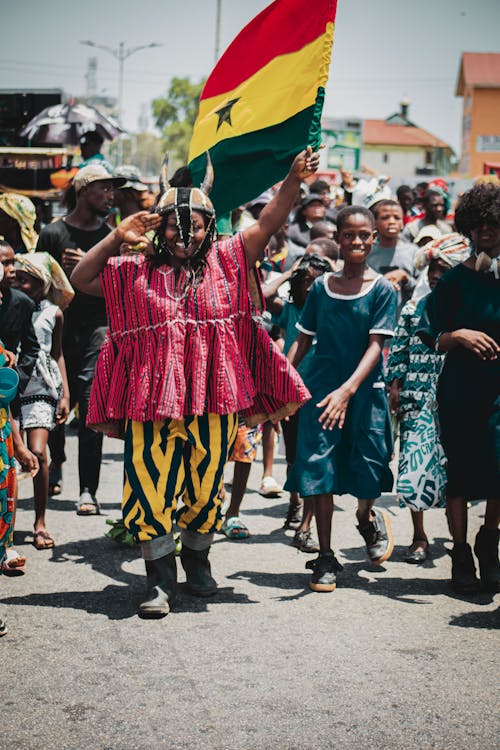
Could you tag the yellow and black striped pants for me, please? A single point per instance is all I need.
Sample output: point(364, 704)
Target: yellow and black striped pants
point(175, 460)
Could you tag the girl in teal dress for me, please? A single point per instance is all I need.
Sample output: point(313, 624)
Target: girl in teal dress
point(344, 439)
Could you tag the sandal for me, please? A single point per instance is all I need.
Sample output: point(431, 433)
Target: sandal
point(87, 505)
point(13, 563)
point(234, 528)
point(417, 553)
point(43, 540)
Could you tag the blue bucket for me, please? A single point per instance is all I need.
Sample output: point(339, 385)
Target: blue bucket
point(9, 381)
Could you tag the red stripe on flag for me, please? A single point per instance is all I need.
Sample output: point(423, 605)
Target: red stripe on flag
point(285, 26)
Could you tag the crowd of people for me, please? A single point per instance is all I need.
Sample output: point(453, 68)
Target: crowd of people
point(341, 317)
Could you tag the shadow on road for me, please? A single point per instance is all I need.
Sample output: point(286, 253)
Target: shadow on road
point(486, 620)
point(397, 589)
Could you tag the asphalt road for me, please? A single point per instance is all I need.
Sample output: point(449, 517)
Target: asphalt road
point(392, 660)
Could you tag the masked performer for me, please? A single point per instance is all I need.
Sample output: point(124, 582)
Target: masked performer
point(184, 355)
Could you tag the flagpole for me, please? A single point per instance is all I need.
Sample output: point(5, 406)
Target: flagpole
point(217, 31)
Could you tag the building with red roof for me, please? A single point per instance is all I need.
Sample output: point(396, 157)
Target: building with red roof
point(479, 85)
point(398, 147)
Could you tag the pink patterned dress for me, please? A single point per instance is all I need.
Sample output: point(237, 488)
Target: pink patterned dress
point(169, 355)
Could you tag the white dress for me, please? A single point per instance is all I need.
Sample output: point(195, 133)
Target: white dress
point(44, 390)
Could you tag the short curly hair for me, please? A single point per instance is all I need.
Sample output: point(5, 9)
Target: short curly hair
point(479, 205)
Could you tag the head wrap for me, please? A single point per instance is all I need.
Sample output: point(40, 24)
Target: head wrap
point(56, 287)
point(20, 208)
point(452, 249)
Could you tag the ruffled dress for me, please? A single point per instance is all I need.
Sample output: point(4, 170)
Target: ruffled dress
point(169, 354)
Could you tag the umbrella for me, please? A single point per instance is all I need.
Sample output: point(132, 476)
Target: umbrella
point(64, 124)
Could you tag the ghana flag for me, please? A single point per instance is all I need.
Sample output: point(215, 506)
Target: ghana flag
point(262, 103)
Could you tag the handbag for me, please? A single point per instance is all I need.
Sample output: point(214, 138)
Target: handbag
point(421, 480)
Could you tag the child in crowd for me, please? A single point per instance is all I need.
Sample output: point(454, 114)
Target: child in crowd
point(286, 313)
point(413, 368)
point(344, 436)
point(390, 255)
point(45, 401)
point(243, 455)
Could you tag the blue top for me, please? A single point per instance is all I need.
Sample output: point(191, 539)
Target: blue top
point(287, 319)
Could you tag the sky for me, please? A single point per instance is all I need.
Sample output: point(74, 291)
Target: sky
point(384, 51)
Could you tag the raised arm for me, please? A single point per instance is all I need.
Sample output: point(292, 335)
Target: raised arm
point(131, 230)
point(275, 214)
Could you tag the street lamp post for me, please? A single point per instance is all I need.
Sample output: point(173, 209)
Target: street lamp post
point(120, 54)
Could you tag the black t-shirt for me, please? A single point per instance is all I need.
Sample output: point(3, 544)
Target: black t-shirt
point(85, 312)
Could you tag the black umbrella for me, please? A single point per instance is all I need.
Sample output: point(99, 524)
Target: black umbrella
point(64, 124)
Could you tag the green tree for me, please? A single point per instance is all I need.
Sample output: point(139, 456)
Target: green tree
point(175, 115)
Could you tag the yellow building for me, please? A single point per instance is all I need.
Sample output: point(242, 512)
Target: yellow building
point(479, 85)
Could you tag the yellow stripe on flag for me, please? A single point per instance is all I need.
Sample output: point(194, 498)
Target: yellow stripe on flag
point(286, 85)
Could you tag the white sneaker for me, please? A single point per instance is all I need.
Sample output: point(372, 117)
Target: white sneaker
point(270, 487)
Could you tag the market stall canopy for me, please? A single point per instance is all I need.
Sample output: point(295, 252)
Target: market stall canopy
point(64, 124)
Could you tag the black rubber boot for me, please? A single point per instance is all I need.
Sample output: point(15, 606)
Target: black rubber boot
point(486, 549)
point(162, 587)
point(463, 572)
point(198, 573)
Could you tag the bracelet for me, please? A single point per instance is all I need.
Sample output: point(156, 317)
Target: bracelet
point(436, 343)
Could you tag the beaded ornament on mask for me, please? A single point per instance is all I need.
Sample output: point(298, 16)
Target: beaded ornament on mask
point(182, 201)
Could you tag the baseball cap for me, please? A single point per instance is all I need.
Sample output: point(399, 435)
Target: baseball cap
point(428, 232)
point(310, 198)
point(93, 173)
point(132, 176)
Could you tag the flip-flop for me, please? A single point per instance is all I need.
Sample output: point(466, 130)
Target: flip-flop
point(46, 540)
point(88, 508)
point(13, 563)
point(234, 528)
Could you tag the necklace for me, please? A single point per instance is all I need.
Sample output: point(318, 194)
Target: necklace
point(186, 290)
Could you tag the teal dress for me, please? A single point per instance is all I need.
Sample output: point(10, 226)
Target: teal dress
point(355, 459)
point(287, 320)
point(468, 392)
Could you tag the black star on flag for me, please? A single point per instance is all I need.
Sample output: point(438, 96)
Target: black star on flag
point(224, 113)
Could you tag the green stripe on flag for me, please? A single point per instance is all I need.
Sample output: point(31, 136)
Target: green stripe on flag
point(248, 164)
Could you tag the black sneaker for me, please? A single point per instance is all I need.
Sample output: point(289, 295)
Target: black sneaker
point(486, 549)
point(293, 517)
point(463, 571)
point(305, 542)
point(324, 570)
point(377, 534)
